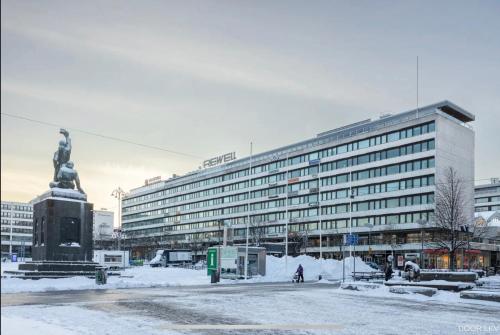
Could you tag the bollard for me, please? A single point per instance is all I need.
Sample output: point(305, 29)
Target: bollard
point(101, 276)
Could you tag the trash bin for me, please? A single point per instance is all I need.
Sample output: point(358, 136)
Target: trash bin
point(101, 277)
point(214, 277)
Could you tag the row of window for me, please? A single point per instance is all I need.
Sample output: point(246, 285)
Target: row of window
point(487, 199)
point(392, 219)
point(411, 200)
point(374, 156)
point(356, 145)
point(369, 173)
point(24, 208)
point(487, 208)
point(343, 178)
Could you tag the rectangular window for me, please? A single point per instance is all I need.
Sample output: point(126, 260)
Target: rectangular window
point(393, 137)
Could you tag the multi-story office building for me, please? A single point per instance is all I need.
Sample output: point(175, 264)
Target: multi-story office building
point(17, 228)
point(375, 177)
point(487, 196)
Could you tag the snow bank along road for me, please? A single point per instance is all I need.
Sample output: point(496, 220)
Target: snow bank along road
point(311, 308)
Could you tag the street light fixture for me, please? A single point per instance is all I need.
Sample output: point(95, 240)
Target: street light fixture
point(422, 224)
point(118, 193)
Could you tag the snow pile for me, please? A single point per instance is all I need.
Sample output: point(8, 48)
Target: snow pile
point(146, 276)
point(327, 268)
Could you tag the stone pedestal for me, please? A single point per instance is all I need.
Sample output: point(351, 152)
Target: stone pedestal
point(62, 228)
point(62, 237)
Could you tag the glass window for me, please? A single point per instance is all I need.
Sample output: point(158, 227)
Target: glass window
point(393, 136)
point(363, 159)
point(393, 186)
point(393, 169)
point(393, 153)
point(391, 203)
point(363, 144)
point(342, 164)
point(342, 149)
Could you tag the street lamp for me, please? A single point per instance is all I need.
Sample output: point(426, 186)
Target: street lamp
point(422, 224)
point(118, 193)
point(369, 226)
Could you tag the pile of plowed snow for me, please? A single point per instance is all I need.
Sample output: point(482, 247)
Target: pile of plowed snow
point(278, 270)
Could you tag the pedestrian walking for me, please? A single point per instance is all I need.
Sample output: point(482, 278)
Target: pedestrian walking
point(300, 273)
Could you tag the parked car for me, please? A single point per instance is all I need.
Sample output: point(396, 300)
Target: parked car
point(374, 266)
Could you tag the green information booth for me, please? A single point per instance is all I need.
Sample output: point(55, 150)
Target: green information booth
point(231, 261)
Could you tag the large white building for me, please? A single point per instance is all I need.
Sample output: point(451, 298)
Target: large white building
point(375, 177)
point(17, 228)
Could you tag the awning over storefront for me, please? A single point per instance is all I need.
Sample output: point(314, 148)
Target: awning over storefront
point(445, 251)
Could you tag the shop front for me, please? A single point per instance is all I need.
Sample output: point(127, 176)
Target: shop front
point(465, 259)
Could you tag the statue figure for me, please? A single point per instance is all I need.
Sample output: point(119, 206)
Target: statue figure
point(63, 153)
point(65, 176)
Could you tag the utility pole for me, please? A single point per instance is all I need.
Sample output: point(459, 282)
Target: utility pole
point(118, 193)
point(248, 209)
point(286, 215)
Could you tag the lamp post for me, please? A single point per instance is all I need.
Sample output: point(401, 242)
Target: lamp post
point(369, 226)
point(118, 193)
point(422, 224)
point(248, 210)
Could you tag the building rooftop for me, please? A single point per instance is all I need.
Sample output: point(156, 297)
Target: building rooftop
point(336, 134)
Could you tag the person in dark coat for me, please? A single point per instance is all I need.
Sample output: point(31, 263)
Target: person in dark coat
point(300, 273)
point(388, 271)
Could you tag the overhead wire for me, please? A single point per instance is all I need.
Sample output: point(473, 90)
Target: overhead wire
point(113, 138)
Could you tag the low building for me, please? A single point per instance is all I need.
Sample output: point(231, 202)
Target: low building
point(17, 228)
point(487, 196)
point(487, 246)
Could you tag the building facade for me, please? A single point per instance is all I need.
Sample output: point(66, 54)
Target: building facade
point(374, 178)
point(17, 228)
point(487, 196)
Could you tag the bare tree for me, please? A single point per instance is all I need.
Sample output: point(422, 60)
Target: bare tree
point(257, 231)
point(295, 242)
point(451, 216)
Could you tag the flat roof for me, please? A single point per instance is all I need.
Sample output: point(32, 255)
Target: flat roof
point(351, 130)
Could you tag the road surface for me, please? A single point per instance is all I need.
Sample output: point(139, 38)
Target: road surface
point(286, 308)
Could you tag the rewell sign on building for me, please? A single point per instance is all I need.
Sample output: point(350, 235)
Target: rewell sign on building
point(231, 156)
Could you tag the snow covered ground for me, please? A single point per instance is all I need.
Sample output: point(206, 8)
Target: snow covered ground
point(276, 271)
point(313, 308)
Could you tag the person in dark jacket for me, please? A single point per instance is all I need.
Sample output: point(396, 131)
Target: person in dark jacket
point(300, 273)
point(388, 271)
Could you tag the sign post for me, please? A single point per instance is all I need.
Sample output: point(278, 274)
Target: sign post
point(212, 261)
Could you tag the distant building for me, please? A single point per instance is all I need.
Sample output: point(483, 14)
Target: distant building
point(17, 228)
point(487, 196)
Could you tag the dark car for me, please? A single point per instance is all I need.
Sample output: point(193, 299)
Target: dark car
point(374, 266)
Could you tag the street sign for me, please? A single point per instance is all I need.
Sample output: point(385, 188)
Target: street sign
point(211, 260)
point(351, 239)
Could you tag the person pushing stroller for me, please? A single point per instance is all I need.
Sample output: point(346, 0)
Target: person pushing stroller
point(299, 274)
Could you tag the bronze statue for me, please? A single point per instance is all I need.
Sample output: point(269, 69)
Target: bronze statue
point(65, 176)
point(63, 153)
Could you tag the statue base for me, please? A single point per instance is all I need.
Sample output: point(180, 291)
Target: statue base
point(62, 227)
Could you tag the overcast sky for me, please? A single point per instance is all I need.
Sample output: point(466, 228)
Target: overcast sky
point(208, 77)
